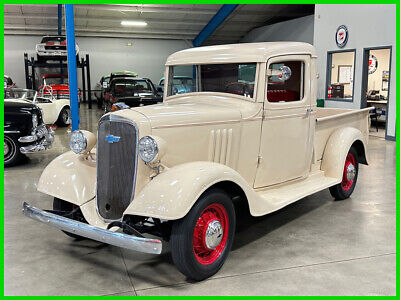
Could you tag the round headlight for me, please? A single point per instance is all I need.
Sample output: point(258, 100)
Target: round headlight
point(78, 142)
point(34, 120)
point(148, 149)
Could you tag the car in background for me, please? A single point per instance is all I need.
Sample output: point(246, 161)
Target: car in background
point(59, 86)
point(24, 129)
point(8, 82)
point(130, 91)
point(53, 47)
point(55, 110)
point(100, 88)
point(181, 84)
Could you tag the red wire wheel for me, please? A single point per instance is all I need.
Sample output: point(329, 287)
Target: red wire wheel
point(349, 172)
point(210, 234)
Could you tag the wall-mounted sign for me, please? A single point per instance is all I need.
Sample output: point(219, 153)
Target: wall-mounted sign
point(342, 36)
point(372, 64)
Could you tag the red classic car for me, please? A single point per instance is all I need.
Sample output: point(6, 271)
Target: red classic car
point(55, 84)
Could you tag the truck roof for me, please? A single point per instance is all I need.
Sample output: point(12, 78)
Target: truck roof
point(237, 53)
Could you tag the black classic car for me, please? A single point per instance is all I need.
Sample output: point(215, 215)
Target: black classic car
point(24, 130)
point(131, 91)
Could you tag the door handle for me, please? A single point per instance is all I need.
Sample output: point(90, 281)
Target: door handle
point(308, 112)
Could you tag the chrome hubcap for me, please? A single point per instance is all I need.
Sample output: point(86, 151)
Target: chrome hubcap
point(350, 172)
point(66, 117)
point(214, 234)
point(6, 149)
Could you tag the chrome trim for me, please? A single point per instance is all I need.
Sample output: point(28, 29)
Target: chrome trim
point(152, 246)
point(116, 118)
point(12, 131)
point(42, 143)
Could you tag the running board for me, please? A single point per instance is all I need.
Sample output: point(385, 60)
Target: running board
point(278, 197)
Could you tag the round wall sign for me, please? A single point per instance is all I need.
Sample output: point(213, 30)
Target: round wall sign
point(372, 64)
point(342, 35)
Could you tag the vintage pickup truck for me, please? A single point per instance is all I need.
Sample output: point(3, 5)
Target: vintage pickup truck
point(250, 133)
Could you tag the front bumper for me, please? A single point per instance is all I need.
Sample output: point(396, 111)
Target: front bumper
point(41, 139)
point(122, 240)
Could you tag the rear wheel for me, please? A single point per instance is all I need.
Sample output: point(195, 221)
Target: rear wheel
point(66, 207)
point(344, 189)
point(12, 154)
point(201, 241)
point(64, 119)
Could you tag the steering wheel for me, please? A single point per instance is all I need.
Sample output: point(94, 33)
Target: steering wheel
point(238, 88)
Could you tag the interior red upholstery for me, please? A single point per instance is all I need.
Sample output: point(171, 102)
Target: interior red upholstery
point(281, 95)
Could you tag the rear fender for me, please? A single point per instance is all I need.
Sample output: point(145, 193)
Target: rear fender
point(171, 194)
point(70, 177)
point(338, 146)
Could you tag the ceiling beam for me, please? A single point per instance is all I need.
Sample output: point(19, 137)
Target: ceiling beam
point(214, 23)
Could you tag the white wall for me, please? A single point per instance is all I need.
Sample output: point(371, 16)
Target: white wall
point(297, 30)
point(146, 56)
point(369, 26)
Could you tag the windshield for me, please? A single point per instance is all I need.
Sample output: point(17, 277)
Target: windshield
point(47, 39)
point(19, 94)
point(55, 80)
point(235, 79)
point(129, 87)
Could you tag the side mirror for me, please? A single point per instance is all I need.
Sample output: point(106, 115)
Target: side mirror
point(283, 73)
point(159, 89)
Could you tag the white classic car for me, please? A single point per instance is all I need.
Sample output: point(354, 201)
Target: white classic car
point(53, 47)
point(55, 110)
point(250, 133)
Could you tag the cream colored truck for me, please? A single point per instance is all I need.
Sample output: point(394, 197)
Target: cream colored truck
point(251, 132)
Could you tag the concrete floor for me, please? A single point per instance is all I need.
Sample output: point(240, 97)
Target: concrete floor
point(315, 246)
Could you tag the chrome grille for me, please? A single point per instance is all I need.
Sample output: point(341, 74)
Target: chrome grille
point(116, 165)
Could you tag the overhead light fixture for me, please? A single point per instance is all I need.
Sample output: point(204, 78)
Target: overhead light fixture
point(133, 23)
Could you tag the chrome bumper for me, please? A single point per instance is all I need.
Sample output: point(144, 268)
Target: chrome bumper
point(42, 137)
point(122, 240)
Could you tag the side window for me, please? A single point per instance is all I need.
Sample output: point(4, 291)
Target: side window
point(286, 84)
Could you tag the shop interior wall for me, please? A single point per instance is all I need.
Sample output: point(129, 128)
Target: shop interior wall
point(146, 56)
point(298, 30)
point(369, 25)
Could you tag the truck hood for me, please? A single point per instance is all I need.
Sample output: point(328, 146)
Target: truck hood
point(193, 110)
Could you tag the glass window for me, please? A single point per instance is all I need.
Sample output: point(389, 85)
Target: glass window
point(285, 84)
point(235, 79)
point(55, 80)
point(129, 87)
point(340, 73)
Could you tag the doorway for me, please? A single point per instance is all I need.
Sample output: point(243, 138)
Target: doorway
point(375, 87)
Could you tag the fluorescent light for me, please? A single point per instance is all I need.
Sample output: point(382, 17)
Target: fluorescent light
point(134, 23)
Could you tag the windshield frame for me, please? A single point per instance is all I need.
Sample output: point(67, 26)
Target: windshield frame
point(197, 83)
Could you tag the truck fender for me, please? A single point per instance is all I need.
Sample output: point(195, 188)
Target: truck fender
point(70, 177)
point(171, 194)
point(338, 146)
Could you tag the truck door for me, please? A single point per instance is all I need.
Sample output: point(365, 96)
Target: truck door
point(285, 148)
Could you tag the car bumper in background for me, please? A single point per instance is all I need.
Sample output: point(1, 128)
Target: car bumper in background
point(40, 139)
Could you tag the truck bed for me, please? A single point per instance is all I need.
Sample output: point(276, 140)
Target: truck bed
point(330, 119)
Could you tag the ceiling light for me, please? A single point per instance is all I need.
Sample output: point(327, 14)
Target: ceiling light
point(134, 23)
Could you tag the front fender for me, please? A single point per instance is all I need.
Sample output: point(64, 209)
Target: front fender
point(70, 177)
point(336, 150)
point(171, 194)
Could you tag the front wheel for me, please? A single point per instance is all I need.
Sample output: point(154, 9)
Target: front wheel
point(200, 242)
point(12, 154)
point(344, 189)
point(64, 119)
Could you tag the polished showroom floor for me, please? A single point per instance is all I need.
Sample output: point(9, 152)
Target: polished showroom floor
point(315, 246)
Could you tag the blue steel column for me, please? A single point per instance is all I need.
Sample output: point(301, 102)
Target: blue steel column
point(213, 24)
point(72, 74)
